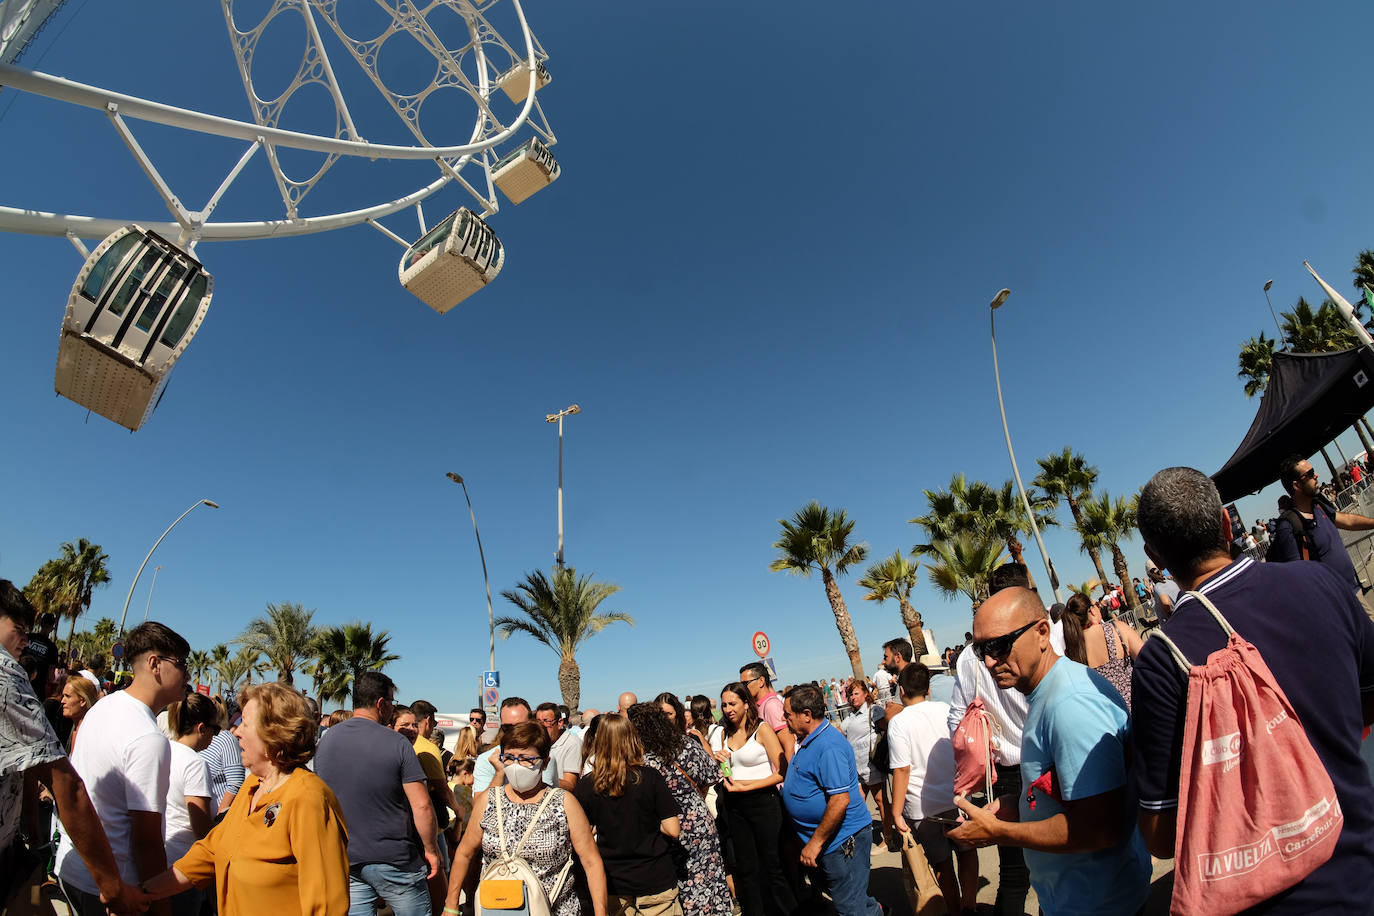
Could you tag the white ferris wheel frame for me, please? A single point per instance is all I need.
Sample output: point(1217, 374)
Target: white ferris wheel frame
point(192, 226)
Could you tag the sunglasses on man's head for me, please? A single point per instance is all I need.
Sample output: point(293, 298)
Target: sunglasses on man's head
point(999, 646)
point(1310, 475)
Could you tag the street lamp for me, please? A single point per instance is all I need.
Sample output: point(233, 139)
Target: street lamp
point(134, 584)
point(558, 418)
point(491, 618)
point(1268, 284)
point(151, 589)
point(993, 306)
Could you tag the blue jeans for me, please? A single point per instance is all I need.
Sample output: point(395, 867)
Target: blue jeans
point(846, 875)
point(406, 892)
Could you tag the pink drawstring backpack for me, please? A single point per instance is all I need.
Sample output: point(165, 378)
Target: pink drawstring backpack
point(974, 767)
point(1257, 812)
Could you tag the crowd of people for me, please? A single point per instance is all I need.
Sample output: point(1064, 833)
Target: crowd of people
point(756, 800)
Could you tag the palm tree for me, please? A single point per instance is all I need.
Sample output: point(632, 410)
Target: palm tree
point(1085, 589)
point(1067, 475)
point(342, 653)
point(1004, 517)
point(1105, 523)
point(1364, 271)
point(104, 631)
point(817, 538)
point(198, 663)
point(219, 655)
point(1321, 331)
point(1256, 362)
point(894, 577)
point(561, 614)
point(285, 636)
point(66, 584)
point(982, 510)
point(241, 666)
point(963, 564)
point(947, 513)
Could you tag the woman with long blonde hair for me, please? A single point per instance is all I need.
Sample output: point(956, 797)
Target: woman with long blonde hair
point(466, 745)
point(634, 815)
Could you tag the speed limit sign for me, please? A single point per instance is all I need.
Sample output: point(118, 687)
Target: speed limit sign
point(761, 644)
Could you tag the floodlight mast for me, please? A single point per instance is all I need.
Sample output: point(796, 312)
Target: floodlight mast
point(558, 418)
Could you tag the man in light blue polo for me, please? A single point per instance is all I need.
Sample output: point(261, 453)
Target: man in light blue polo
point(1076, 818)
point(822, 796)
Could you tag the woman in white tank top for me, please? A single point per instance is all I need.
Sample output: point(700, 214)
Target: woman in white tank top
point(753, 806)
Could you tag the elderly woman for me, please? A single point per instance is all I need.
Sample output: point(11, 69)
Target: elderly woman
point(523, 805)
point(284, 833)
point(78, 696)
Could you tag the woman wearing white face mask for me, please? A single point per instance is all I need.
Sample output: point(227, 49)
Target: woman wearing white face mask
point(556, 825)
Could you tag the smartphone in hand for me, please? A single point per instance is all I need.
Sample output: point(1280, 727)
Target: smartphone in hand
point(951, 818)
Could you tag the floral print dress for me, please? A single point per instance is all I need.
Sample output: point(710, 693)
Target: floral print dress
point(701, 880)
point(548, 849)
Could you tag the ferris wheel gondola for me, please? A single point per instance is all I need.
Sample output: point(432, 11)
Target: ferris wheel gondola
point(528, 168)
point(450, 262)
point(515, 82)
point(135, 306)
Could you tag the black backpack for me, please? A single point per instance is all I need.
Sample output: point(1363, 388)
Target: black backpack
point(1299, 526)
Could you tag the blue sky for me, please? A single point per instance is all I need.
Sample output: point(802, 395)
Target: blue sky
point(764, 276)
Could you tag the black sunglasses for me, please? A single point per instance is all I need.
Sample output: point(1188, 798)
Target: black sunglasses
point(1310, 475)
point(999, 646)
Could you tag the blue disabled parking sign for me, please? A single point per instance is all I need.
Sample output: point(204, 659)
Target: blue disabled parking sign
point(491, 679)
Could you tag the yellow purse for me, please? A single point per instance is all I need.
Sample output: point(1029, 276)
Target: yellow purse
point(502, 894)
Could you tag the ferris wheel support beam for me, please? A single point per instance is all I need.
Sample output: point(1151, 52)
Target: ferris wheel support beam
point(55, 87)
point(39, 222)
point(213, 202)
point(391, 235)
point(178, 211)
point(449, 170)
point(76, 242)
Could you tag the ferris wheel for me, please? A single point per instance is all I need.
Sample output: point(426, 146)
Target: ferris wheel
point(142, 293)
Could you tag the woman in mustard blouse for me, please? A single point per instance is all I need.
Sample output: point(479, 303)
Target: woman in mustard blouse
point(282, 848)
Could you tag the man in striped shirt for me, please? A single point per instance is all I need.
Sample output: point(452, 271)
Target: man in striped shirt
point(225, 760)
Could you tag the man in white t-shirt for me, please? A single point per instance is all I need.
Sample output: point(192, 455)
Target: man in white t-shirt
point(565, 754)
point(125, 761)
point(922, 759)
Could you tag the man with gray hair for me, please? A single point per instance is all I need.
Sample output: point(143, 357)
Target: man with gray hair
point(823, 799)
point(1316, 640)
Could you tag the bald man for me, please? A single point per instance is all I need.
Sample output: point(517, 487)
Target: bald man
point(1076, 819)
point(627, 700)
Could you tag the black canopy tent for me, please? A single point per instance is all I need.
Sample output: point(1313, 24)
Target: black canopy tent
point(1310, 398)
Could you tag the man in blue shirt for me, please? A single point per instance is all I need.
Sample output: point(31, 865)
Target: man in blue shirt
point(1076, 818)
point(821, 794)
point(1316, 641)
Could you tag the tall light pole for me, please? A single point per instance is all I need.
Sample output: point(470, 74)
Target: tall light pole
point(491, 618)
point(558, 418)
point(134, 584)
point(994, 305)
point(1268, 284)
point(151, 589)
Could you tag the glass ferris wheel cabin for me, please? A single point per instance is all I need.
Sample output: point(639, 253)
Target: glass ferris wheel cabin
point(450, 262)
point(133, 310)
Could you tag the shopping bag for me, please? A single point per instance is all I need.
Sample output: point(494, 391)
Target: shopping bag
point(922, 887)
point(1257, 812)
